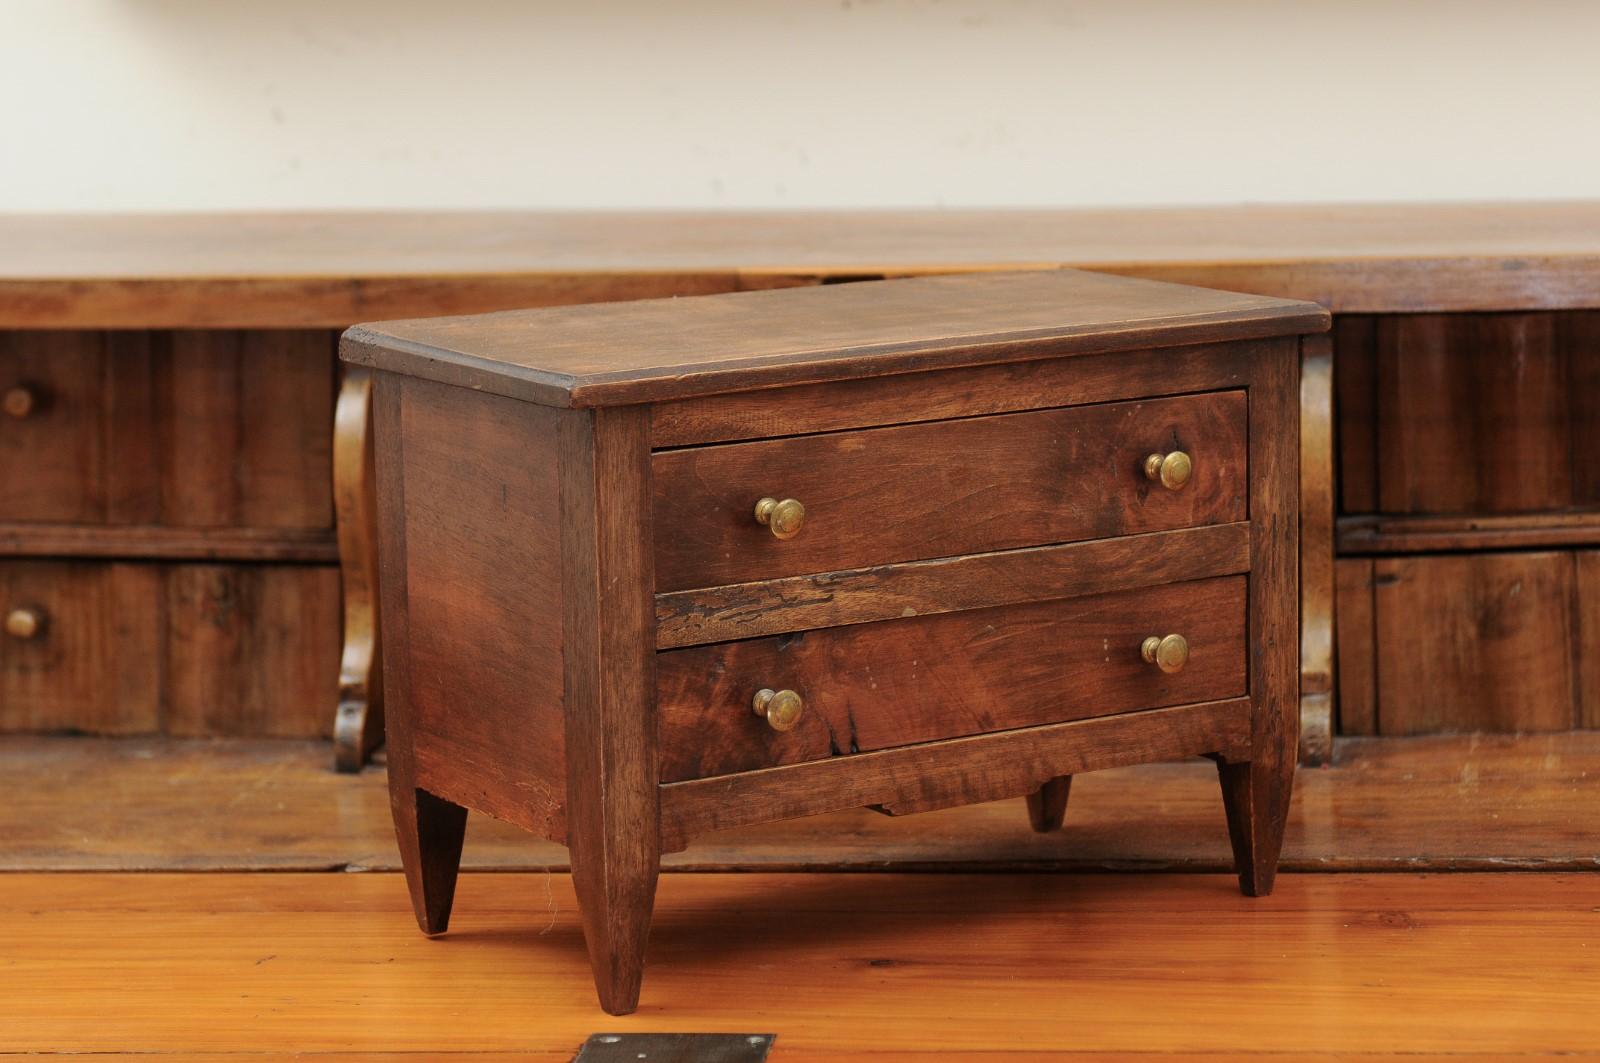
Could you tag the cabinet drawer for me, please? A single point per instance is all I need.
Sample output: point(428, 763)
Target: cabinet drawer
point(195, 429)
point(184, 649)
point(897, 682)
point(884, 495)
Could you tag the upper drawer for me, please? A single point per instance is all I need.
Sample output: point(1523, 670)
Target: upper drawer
point(884, 495)
point(195, 429)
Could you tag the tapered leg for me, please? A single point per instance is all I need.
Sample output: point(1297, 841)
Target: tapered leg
point(613, 802)
point(1048, 806)
point(615, 879)
point(1256, 781)
point(1256, 796)
point(429, 830)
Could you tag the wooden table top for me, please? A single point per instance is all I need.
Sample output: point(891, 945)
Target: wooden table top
point(333, 269)
point(647, 350)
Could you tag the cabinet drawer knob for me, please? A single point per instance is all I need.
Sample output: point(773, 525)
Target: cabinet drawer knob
point(780, 708)
point(784, 518)
point(24, 623)
point(1169, 654)
point(1172, 470)
point(20, 401)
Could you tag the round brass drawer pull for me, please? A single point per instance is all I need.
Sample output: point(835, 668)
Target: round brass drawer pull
point(1169, 654)
point(24, 623)
point(780, 708)
point(784, 518)
point(20, 401)
point(1172, 470)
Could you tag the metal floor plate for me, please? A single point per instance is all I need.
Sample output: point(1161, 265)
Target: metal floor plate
point(676, 1048)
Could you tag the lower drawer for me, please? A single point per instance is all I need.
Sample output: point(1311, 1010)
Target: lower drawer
point(1469, 642)
point(185, 649)
point(897, 682)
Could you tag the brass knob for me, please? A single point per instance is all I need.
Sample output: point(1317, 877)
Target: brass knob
point(24, 623)
point(780, 708)
point(20, 401)
point(784, 518)
point(1169, 654)
point(1173, 470)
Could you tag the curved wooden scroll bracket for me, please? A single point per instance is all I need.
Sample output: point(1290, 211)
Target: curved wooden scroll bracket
point(1316, 550)
point(358, 725)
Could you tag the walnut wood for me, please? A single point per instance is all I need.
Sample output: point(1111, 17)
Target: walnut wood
point(613, 829)
point(1474, 414)
point(189, 649)
point(1256, 792)
point(1586, 637)
point(831, 599)
point(1355, 378)
point(328, 269)
point(1358, 656)
point(653, 350)
point(1047, 807)
point(428, 829)
point(155, 428)
point(1578, 334)
point(962, 770)
point(1316, 550)
point(159, 542)
point(358, 722)
point(1377, 534)
point(95, 663)
point(550, 529)
point(947, 393)
point(484, 581)
point(1475, 642)
point(250, 649)
point(905, 493)
point(873, 686)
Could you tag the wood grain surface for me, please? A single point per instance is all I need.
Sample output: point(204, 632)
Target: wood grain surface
point(884, 495)
point(330, 269)
point(1474, 642)
point(468, 486)
point(184, 648)
point(1477, 413)
point(653, 350)
point(974, 581)
point(1482, 802)
point(863, 966)
point(214, 429)
point(920, 679)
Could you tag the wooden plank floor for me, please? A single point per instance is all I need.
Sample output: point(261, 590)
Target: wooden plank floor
point(1389, 804)
point(899, 967)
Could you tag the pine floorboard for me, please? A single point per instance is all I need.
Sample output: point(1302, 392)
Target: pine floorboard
point(994, 967)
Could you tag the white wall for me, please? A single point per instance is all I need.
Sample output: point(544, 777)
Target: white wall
point(220, 104)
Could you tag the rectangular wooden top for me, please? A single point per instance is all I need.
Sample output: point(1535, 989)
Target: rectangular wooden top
point(336, 268)
point(618, 353)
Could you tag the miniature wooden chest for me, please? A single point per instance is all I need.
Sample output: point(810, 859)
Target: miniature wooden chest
point(660, 568)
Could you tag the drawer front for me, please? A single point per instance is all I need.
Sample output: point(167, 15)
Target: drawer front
point(897, 682)
point(195, 429)
point(184, 649)
point(884, 495)
point(1468, 413)
point(82, 647)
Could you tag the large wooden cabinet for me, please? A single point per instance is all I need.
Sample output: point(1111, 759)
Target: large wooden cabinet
point(167, 510)
point(166, 524)
point(1469, 535)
